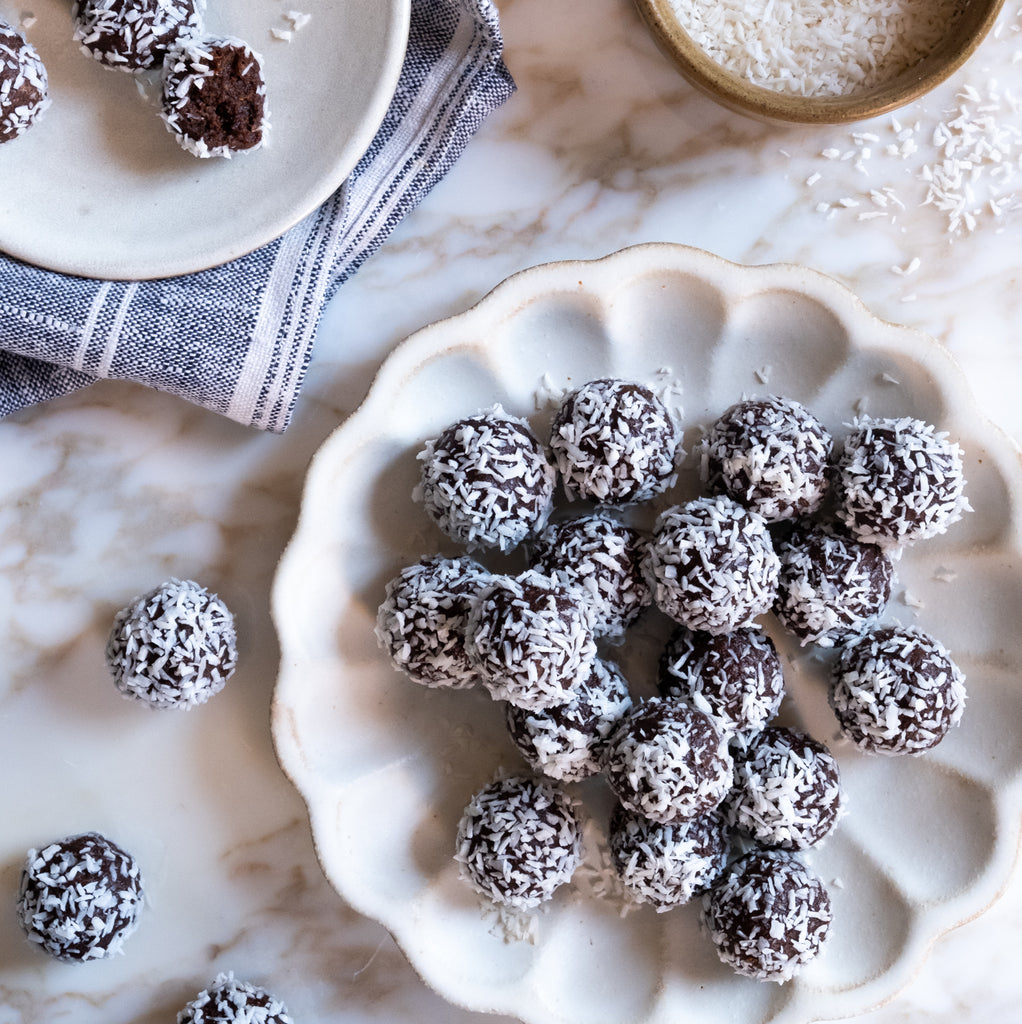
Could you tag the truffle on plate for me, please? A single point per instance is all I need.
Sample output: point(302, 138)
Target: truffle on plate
point(770, 454)
point(832, 587)
point(667, 761)
point(133, 35)
point(421, 622)
point(736, 677)
point(80, 897)
point(895, 690)
point(174, 647)
point(667, 864)
point(214, 96)
point(24, 85)
point(603, 557)
point(530, 639)
point(787, 790)
point(229, 1001)
point(566, 742)
point(615, 443)
point(769, 915)
point(486, 481)
point(713, 564)
point(519, 840)
point(899, 481)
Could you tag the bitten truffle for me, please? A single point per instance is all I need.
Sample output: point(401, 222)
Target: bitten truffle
point(604, 558)
point(769, 916)
point(24, 85)
point(174, 647)
point(566, 742)
point(486, 481)
point(530, 639)
point(787, 790)
point(519, 840)
point(80, 898)
point(713, 564)
point(770, 454)
point(735, 678)
point(831, 587)
point(229, 1001)
point(615, 442)
point(667, 865)
point(895, 690)
point(899, 481)
point(133, 35)
point(421, 622)
point(667, 761)
point(214, 96)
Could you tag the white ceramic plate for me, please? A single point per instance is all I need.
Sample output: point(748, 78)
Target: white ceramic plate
point(98, 187)
point(386, 767)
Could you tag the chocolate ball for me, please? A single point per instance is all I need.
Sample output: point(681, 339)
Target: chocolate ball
point(615, 443)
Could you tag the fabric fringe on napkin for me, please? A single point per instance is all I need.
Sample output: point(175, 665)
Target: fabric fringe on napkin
point(238, 338)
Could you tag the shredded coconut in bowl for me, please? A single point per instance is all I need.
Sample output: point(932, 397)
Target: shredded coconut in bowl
point(808, 48)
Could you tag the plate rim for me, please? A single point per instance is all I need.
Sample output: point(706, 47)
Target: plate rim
point(509, 295)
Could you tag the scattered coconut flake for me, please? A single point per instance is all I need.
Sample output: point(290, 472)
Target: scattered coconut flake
point(943, 575)
point(910, 268)
point(283, 34)
point(298, 19)
point(910, 600)
point(513, 925)
point(968, 161)
point(548, 394)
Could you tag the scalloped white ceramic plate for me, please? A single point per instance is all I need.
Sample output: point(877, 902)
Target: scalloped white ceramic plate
point(386, 767)
point(98, 187)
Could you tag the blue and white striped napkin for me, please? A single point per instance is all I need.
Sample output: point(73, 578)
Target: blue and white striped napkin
point(59, 333)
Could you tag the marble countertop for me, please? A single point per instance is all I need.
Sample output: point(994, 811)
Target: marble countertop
point(108, 491)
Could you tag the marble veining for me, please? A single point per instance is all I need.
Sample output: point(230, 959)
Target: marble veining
point(107, 491)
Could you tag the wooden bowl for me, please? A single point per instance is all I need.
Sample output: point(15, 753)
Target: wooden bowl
point(745, 97)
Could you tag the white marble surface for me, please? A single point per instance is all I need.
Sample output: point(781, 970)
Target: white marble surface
point(105, 492)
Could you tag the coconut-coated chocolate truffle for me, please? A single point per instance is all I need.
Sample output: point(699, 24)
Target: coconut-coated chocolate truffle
point(421, 622)
point(615, 443)
point(214, 96)
point(605, 558)
point(667, 864)
point(519, 840)
point(24, 85)
point(133, 35)
point(566, 742)
point(713, 564)
point(80, 897)
point(899, 481)
point(736, 678)
point(174, 647)
point(770, 454)
point(486, 481)
point(668, 761)
point(769, 915)
point(229, 1001)
point(832, 587)
point(787, 790)
point(895, 690)
point(530, 639)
